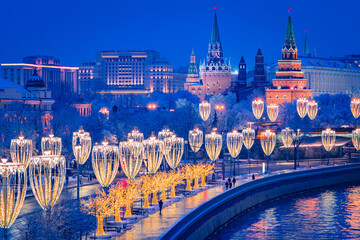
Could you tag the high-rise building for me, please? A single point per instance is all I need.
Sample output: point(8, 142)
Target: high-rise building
point(215, 72)
point(88, 76)
point(289, 83)
point(58, 79)
point(259, 72)
point(159, 76)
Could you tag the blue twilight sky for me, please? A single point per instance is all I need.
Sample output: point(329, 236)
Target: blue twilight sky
point(73, 30)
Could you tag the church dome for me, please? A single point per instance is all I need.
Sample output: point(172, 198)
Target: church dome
point(35, 81)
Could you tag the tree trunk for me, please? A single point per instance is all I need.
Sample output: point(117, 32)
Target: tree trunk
point(146, 201)
point(196, 183)
point(172, 194)
point(188, 184)
point(117, 215)
point(128, 210)
point(100, 226)
point(154, 198)
point(162, 196)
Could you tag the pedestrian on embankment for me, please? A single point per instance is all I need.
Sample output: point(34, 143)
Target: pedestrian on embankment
point(226, 185)
point(160, 205)
point(234, 181)
point(253, 177)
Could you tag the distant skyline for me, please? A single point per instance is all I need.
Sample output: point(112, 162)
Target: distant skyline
point(74, 30)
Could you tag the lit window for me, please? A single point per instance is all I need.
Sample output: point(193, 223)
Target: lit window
point(284, 96)
point(276, 96)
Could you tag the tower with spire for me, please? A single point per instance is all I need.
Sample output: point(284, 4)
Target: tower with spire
point(193, 83)
point(289, 84)
point(259, 73)
point(306, 46)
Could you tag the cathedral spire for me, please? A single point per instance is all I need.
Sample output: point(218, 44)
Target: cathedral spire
point(306, 46)
point(215, 36)
point(289, 48)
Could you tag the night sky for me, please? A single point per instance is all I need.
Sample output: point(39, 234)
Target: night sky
point(74, 30)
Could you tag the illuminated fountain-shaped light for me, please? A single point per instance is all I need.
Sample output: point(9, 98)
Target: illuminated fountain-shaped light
point(13, 187)
point(153, 153)
point(355, 107)
point(47, 176)
point(248, 138)
point(81, 144)
point(21, 150)
point(213, 145)
point(105, 162)
point(268, 141)
point(52, 144)
point(328, 138)
point(104, 113)
point(258, 108)
point(196, 139)
point(173, 150)
point(234, 142)
point(204, 110)
point(131, 157)
point(287, 135)
point(312, 109)
point(136, 135)
point(165, 133)
point(272, 111)
point(302, 107)
point(355, 137)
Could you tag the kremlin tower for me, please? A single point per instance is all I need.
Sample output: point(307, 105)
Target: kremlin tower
point(215, 73)
point(289, 84)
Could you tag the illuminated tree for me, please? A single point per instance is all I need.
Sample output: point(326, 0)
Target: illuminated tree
point(177, 178)
point(117, 198)
point(206, 169)
point(131, 193)
point(156, 181)
point(147, 187)
point(188, 175)
point(196, 174)
point(98, 207)
point(163, 184)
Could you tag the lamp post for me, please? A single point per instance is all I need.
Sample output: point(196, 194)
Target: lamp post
point(153, 153)
point(21, 150)
point(328, 138)
point(302, 107)
point(105, 162)
point(355, 108)
point(213, 146)
point(81, 144)
point(13, 187)
point(272, 111)
point(268, 141)
point(151, 106)
point(234, 141)
point(220, 108)
point(173, 150)
point(204, 110)
point(136, 135)
point(131, 157)
point(287, 139)
point(355, 138)
point(297, 139)
point(195, 140)
point(248, 138)
point(47, 177)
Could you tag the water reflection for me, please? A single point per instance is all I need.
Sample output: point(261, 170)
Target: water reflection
point(331, 214)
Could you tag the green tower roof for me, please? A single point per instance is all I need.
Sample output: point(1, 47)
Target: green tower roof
point(290, 29)
point(306, 46)
point(215, 36)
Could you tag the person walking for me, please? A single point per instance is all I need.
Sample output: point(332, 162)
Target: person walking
point(229, 180)
point(227, 185)
point(160, 205)
point(253, 177)
point(230, 185)
point(234, 181)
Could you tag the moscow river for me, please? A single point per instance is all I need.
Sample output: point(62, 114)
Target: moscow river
point(322, 214)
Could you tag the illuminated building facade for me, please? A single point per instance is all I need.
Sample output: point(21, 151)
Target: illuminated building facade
point(289, 83)
point(88, 77)
point(159, 76)
point(215, 73)
point(58, 79)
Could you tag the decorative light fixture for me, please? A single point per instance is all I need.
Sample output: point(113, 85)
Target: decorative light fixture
point(21, 150)
point(355, 107)
point(47, 177)
point(136, 135)
point(272, 111)
point(355, 137)
point(153, 153)
point(105, 162)
point(234, 142)
point(165, 133)
point(131, 156)
point(204, 110)
point(287, 135)
point(312, 109)
point(213, 145)
point(12, 191)
point(248, 138)
point(268, 141)
point(173, 151)
point(302, 107)
point(104, 113)
point(52, 144)
point(195, 139)
point(328, 138)
point(258, 108)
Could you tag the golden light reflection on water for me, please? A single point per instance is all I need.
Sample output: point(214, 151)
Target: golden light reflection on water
point(353, 213)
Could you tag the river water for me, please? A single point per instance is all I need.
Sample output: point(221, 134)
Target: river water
point(320, 214)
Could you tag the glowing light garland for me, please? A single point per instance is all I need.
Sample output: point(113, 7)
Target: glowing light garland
point(165, 133)
point(105, 162)
point(174, 149)
point(131, 157)
point(52, 144)
point(196, 139)
point(47, 176)
point(355, 137)
point(81, 144)
point(153, 153)
point(302, 107)
point(213, 145)
point(312, 109)
point(272, 111)
point(234, 141)
point(268, 141)
point(355, 107)
point(248, 137)
point(204, 110)
point(21, 150)
point(258, 108)
point(287, 137)
point(136, 135)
